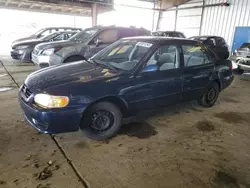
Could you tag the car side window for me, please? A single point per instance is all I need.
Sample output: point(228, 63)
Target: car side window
point(59, 37)
point(108, 36)
point(166, 57)
point(141, 33)
point(195, 55)
point(221, 41)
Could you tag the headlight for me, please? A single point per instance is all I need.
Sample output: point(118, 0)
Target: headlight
point(22, 47)
point(50, 101)
point(48, 51)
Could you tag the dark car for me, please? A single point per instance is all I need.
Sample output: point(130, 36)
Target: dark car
point(22, 50)
point(47, 31)
point(84, 44)
point(241, 57)
point(217, 44)
point(176, 34)
point(127, 77)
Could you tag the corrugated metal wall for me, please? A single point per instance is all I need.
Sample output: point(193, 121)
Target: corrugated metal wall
point(222, 21)
point(217, 20)
point(189, 20)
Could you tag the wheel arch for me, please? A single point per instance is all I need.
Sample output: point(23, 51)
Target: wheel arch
point(71, 56)
point(118, 101)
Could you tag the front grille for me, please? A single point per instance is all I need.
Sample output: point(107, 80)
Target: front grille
point(25, 91)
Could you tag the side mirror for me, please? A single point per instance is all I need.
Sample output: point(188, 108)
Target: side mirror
point(98, 42)
point(149, 68)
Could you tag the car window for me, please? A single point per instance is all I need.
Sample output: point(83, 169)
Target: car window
point(181, 35)
point(108, 36)
point(195, 55)
point(141, 32)
point(127, 33)
point(221, 41)
point(70, 35)
point(245, 45)
point(166, 57)
point(45, 33)
point(59, 37)
point(123, 54)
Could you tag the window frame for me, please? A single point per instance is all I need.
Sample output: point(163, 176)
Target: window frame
point(207, 53)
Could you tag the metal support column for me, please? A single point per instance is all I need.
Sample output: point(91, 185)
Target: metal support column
point(176, 18)
point(153, 22)
point(202, 13)
point(94, 14)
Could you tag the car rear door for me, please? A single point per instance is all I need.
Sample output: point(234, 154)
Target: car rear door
point(198, 70)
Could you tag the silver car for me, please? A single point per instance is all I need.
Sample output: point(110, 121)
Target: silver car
point(241, 57)
point(83, 45)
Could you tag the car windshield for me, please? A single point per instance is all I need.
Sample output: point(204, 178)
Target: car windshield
point(245, 45)
point(39, 32)
point(84, 35)
point(124, 54)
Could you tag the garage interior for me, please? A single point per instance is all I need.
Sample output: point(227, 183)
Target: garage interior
point(183, 145)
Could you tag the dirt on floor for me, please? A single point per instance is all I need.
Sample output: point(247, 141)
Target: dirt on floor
point(179, 146)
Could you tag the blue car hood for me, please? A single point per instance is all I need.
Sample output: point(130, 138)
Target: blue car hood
point(65, 74)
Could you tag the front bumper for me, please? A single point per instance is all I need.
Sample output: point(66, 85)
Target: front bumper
point(43, 61)
point(22, 55)
point(53, 120)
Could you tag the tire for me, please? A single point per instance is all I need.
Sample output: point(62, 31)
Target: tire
point(105, 113)
point(210, 96)
point(73, 59)
point(240, 71)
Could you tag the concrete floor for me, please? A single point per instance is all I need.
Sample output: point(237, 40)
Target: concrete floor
point(180, 146)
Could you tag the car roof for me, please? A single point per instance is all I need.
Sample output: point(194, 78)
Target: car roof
point(61, 32)
point(119, 27)
point(206, 36)
point(62, 28)
point(166, 32)
point(160, 38)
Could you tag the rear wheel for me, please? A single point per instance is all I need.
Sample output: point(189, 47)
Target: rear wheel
point(102, 121)
point(209, 98)
point(73, 59)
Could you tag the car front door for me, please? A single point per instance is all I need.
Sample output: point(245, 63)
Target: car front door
point(163, 85)
point(198, 70)
point(102, 40)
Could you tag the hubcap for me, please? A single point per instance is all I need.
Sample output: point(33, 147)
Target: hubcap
point(211, 95)
point(102, 120)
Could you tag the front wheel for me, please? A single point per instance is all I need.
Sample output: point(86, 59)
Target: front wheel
point(102, 121)
point(210, 96)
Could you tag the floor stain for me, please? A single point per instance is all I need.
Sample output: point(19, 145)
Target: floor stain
point(205, 126)
point(224, 179)
point(81, 145)
point(232, 117)
point(140, 130)
point(196, 109)
point(230, 100)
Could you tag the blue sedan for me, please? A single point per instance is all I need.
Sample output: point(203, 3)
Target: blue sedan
point(130, 75)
